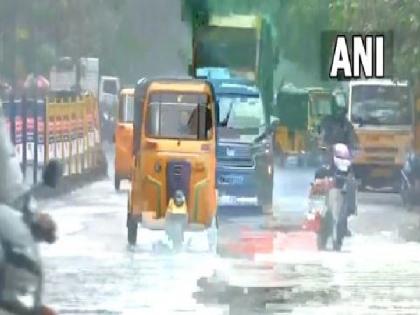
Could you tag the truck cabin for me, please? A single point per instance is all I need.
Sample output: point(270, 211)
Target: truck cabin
point(379, 103)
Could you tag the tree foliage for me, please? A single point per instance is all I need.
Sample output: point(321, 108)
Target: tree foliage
point(400, 16)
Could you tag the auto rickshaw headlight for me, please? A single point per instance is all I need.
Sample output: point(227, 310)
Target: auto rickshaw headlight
point(179, 198)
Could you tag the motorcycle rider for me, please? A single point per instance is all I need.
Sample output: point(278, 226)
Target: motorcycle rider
point(336, 128)
point(20, 229)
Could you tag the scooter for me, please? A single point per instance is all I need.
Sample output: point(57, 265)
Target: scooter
point(328, 199)
point(21, 229)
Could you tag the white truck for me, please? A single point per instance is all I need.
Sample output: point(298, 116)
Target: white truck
point(63, 77)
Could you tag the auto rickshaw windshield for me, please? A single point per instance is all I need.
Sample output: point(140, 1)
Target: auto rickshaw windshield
point(322, 105)
point(178, 116)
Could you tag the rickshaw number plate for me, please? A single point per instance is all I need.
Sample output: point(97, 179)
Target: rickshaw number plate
point(381, 172)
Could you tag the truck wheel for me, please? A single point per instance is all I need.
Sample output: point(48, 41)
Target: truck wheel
point(266, 197)
point(132, 227)
point(117, 182)
point(267, 209)
point(301, 161)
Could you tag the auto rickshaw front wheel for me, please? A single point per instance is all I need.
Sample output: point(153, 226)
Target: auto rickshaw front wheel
point(132, 227)
point(175, 225)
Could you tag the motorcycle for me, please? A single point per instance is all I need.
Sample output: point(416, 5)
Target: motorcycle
point(329, 199)
point(21, 229)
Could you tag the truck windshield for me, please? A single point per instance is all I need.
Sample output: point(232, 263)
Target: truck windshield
point(380, 105)
point(176, 116)
point(110, 87)
point(127, 109)
point(241, 112)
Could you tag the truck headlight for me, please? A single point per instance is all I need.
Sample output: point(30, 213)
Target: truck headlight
point(264, 147)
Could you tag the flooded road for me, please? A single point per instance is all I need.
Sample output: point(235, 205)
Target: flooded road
point(90, 270)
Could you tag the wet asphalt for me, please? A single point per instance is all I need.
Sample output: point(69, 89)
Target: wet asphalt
point(90, 270)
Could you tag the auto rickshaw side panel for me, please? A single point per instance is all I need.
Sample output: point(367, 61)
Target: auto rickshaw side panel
point(124, 138)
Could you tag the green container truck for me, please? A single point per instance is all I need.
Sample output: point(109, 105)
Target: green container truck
point(241, 43)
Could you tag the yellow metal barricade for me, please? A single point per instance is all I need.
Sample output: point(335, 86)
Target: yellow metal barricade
point(72, 133)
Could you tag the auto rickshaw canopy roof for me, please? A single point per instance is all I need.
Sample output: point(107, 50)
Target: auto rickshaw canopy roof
point(180, 84)
point(292, 105)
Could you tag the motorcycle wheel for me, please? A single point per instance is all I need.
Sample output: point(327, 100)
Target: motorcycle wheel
point(321, 240)
point(339, 233)
point(325, 231)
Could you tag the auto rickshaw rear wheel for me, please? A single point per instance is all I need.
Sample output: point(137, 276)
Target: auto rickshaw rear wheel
point(132, 227)
point(117, 182)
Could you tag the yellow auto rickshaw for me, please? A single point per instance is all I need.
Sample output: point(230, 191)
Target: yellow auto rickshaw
point(300, 112)
point(123, 137)
point(173, 186)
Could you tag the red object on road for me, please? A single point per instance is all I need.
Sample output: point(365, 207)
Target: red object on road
point(301, 240)
point(252, 242)
point(312, 222)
